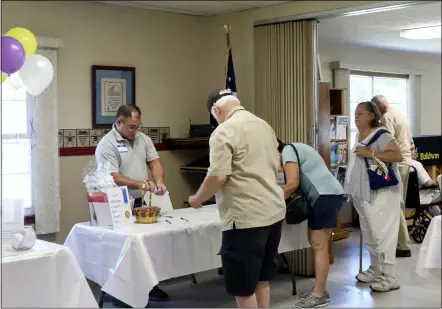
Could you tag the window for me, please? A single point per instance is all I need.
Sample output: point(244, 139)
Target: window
point(16, 145)
point(363, 86)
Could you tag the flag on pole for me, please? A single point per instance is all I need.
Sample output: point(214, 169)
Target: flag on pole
point(230, 70)
point(230, 81)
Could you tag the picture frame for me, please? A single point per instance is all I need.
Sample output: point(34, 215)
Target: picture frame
point(112, 86)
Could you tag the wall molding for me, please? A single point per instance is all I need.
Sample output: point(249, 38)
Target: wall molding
point(374, 68)
point(380, 6)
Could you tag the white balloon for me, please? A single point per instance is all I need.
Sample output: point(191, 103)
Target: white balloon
point(15, 81)
point(36, 74)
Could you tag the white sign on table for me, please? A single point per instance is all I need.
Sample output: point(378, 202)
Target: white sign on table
point(12, 218)
point(162, 201)
point(119, 203)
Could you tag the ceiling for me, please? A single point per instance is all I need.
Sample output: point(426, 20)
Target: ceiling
point(198, 8)
point(381, 29)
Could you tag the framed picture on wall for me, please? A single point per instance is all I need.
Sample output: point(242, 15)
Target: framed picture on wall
point(112, 86)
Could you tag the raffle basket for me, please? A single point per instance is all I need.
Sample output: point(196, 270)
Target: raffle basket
point(147, 214)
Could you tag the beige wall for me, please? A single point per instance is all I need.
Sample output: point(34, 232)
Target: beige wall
point(178, 59)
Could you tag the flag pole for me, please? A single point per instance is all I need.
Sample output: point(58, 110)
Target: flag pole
point(227, 29)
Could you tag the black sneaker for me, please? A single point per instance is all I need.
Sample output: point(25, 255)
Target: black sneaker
point(403, 253)
point(158, 295)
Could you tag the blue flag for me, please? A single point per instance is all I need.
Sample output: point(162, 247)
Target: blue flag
point(230, 71)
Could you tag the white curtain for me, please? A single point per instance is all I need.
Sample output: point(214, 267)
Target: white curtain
point(414, 103)
point(45, 159)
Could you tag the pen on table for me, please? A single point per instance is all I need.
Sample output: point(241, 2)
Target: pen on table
point(168, 221)
point(184, 219)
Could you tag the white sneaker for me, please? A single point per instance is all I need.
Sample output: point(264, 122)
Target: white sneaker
point(385, 284)
point(367, 276)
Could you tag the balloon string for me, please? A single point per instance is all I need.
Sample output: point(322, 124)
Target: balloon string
point(31, 126)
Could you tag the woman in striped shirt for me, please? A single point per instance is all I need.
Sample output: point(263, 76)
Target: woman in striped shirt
point(379, 210)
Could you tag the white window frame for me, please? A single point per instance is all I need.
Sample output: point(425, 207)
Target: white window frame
point(373, 75)
point(29, 209)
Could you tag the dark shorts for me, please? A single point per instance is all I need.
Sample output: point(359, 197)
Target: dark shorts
point(248, 256)
point(324, 213)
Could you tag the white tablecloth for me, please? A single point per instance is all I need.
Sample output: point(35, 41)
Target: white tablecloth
point(45, 276)
point(130, 261)
point(429, 261)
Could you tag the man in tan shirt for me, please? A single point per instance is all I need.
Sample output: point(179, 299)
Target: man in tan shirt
point(399, 127)
point(244, 165)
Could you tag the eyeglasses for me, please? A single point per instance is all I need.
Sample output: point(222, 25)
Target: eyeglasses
point(133, 127)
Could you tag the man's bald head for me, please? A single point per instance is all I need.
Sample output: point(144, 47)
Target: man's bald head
point(221, 102)
point(381, 102)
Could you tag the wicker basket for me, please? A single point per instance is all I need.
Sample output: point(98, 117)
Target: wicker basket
point(147, 215)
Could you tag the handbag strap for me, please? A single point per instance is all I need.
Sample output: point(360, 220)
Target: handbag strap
point(372, 140)
point(299, 163)
point(376, 136)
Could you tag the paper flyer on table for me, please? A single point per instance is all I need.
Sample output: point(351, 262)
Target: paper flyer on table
point(121, 212)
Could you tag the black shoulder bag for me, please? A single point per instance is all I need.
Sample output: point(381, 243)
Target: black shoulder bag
point(298, 207)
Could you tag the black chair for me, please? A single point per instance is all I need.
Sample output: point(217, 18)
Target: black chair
point(421, 218)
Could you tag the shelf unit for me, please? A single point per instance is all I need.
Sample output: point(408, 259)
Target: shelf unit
point(331, 103)
point(198, 166)
point(186, 143)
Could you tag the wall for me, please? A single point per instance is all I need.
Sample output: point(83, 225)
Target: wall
point(163, 47)
point(382, 60)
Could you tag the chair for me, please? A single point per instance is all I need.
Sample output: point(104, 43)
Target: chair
point(421, 218)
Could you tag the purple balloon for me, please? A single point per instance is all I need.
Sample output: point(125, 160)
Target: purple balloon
point(13, 55)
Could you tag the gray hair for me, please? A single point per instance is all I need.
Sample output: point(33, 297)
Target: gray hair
point(227, 100)
point(372, 108)
point(379, 100)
